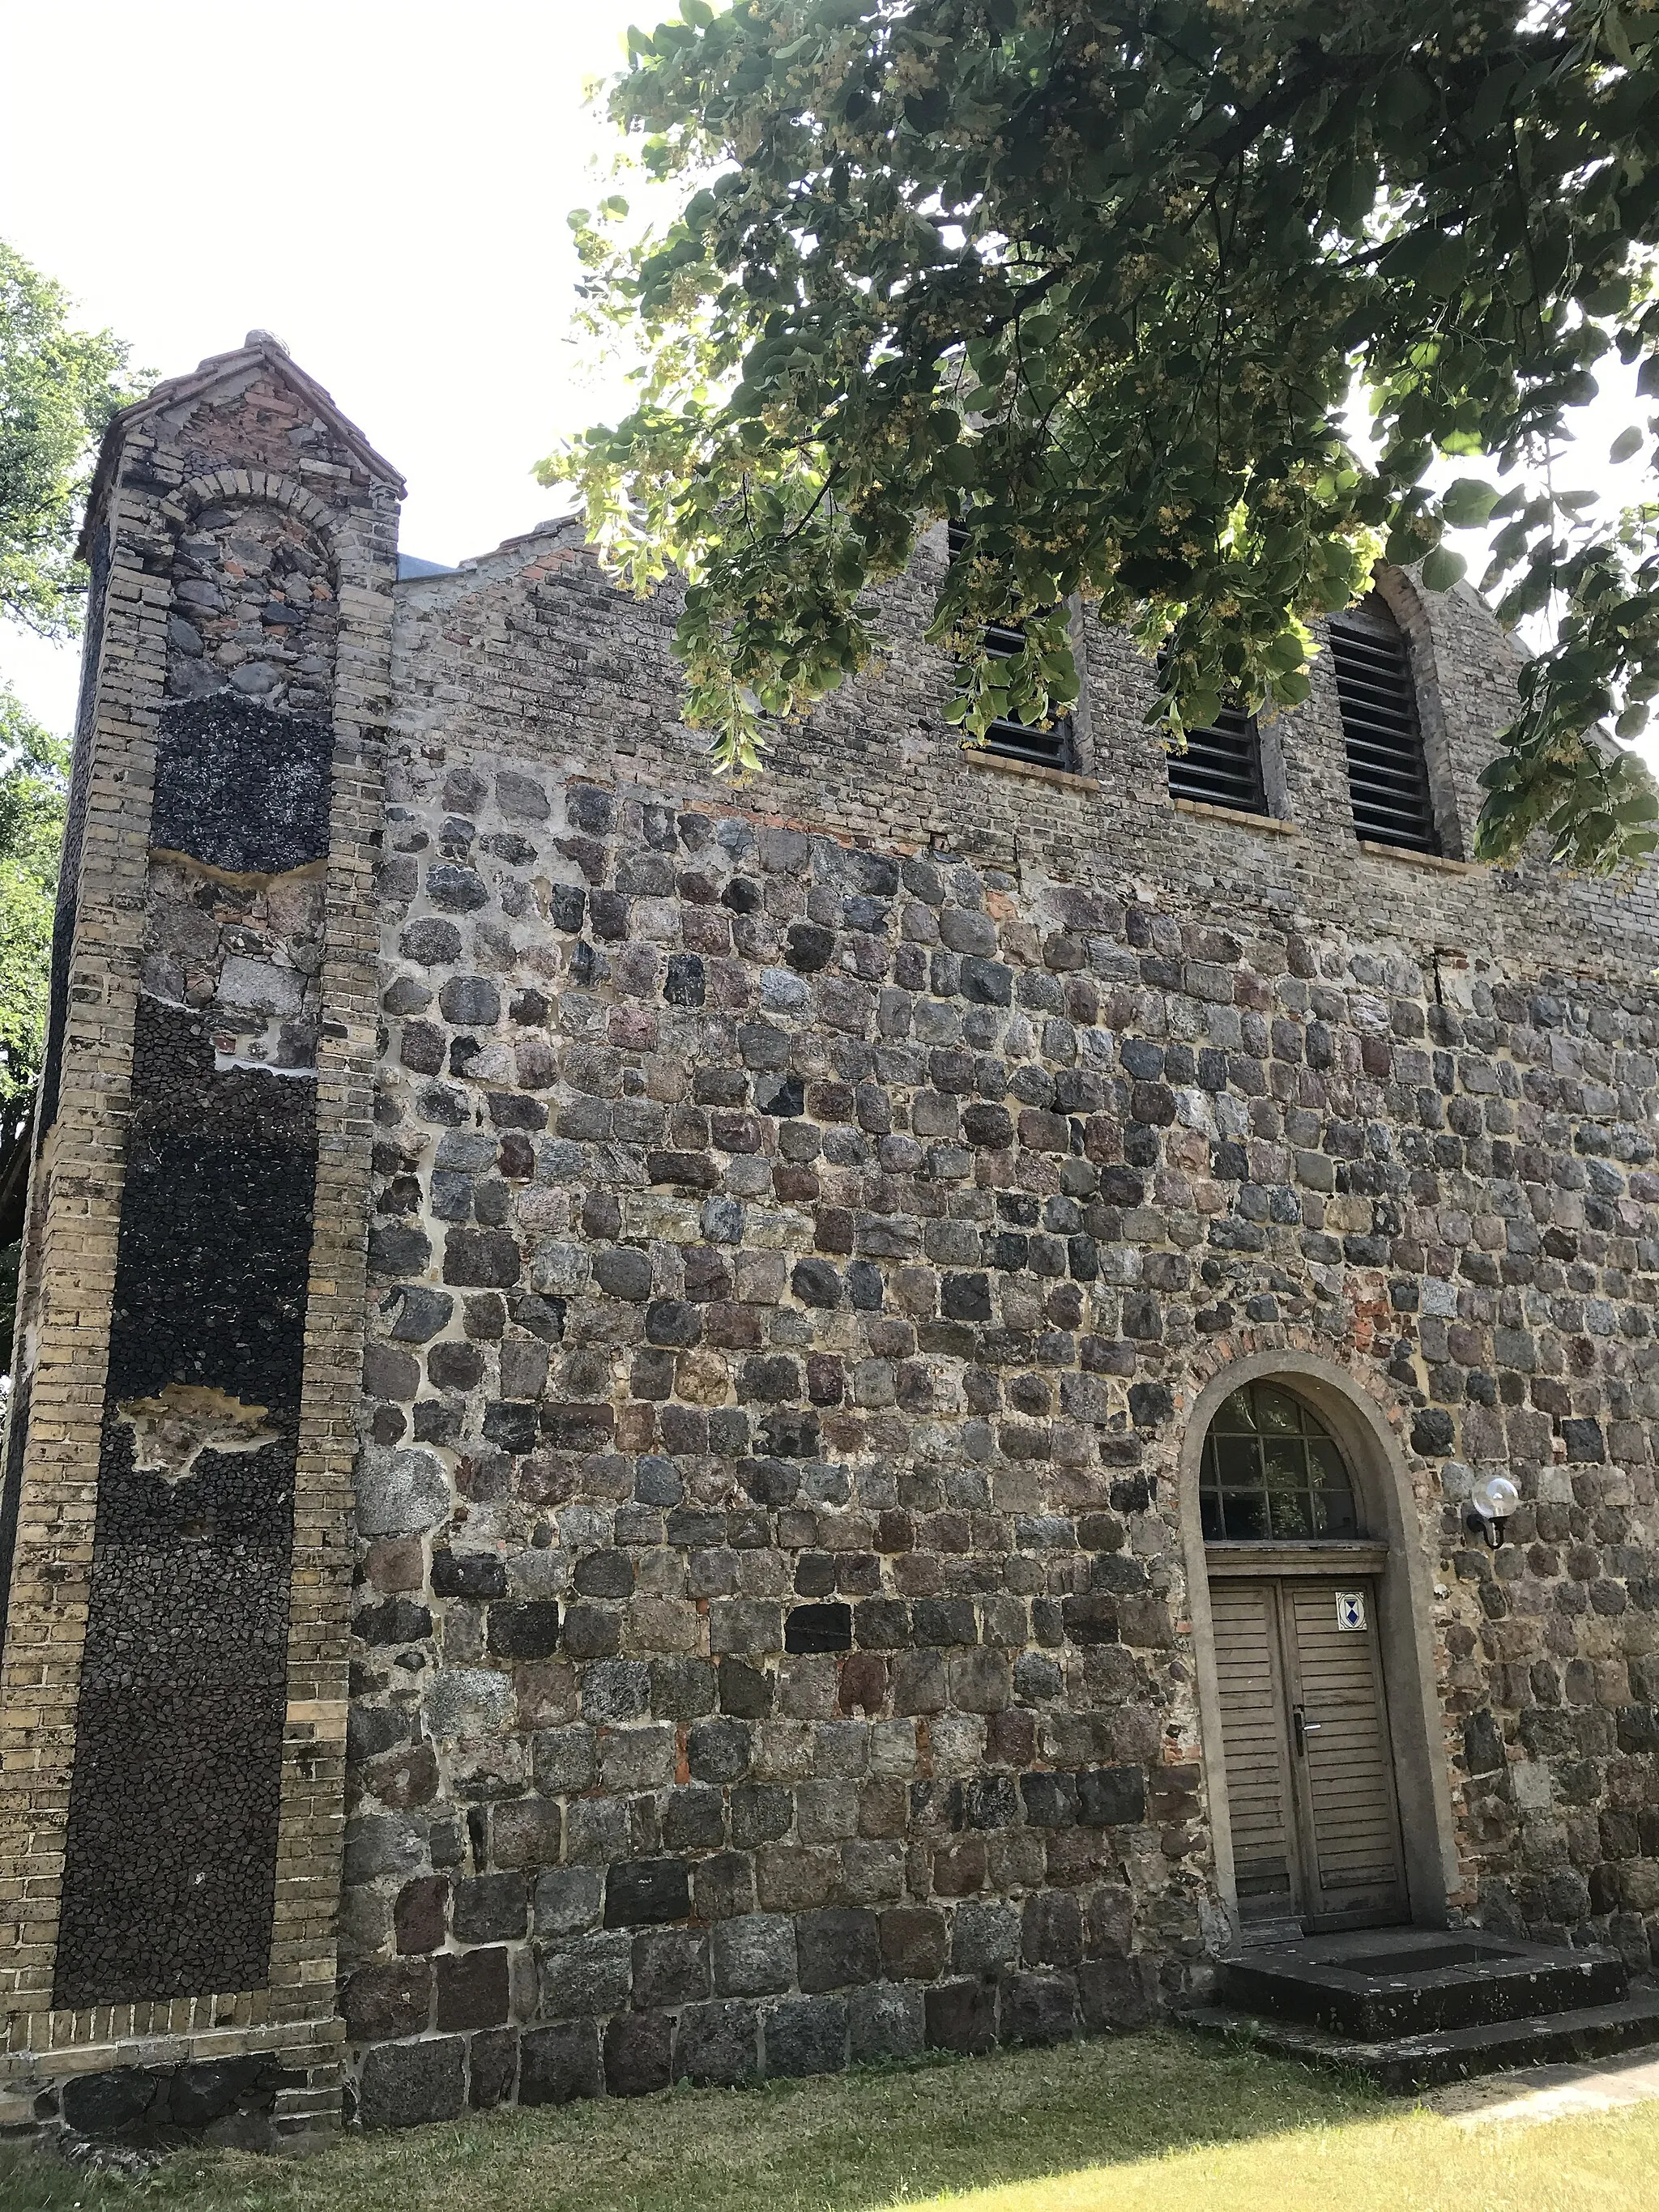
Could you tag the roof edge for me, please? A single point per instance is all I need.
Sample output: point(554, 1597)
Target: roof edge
point(179, 391)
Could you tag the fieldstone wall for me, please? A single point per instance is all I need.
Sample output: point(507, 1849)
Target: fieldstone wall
point(802, 1220)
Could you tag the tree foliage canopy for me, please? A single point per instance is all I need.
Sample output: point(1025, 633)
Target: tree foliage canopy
point(1100, 278)
point(34, 792)
point(58, 387)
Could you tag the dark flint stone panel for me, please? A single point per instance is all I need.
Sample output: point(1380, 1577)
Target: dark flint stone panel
point(170, 1860)
point(961, 2016)
point(494, 2056)
point(1038, 2009)
point(99, 2103)
point(716, 2045)
point(636, 2054)
point(644, 1892)
point(806, 2035)
point(125, 2099)
point(240, 786)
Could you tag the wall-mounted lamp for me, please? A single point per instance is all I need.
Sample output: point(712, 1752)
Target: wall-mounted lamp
point(1493, 1501)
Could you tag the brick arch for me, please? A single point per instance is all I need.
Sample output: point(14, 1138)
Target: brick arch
point(243, 487)
point(1368, 1418)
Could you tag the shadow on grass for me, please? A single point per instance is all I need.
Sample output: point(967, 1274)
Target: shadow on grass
point(837, 2143)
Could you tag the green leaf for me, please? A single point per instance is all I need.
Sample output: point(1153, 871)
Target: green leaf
point(1468, 503)
point(1201, 710)
point(1403, 96)
point(1442, 569)
point(1628, 441)
point(1350, 193)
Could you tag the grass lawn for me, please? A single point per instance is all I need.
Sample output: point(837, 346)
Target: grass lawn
point(1155, 2123)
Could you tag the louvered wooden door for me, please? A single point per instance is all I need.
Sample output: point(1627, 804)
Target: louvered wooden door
point(1314, 1828)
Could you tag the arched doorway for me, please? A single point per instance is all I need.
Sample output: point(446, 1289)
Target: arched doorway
point(1293, 1610)
point(1314, 1673)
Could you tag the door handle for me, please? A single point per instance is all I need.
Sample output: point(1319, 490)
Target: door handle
point(1304, 1729)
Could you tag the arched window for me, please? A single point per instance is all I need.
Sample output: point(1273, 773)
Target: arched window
point(1388, 775)
point(1272, 1472)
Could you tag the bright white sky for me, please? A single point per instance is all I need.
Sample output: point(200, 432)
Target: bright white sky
point(383, 183)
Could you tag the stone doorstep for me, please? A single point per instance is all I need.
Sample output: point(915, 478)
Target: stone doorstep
point(1445, 1980)
point(1410, 2063)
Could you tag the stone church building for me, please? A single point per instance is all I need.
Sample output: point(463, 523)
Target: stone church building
point(664, 1433)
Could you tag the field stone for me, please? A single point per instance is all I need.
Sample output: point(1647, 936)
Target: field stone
point(404, 2084)
point(716, 2045)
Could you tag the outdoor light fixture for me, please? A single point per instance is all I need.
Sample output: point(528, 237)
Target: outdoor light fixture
point(1494, 1500)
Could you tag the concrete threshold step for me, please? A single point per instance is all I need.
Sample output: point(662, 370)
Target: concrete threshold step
point(1426, 1985)
point(1414, 2062)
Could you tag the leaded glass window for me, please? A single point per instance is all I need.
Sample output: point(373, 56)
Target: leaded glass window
point(1272, 1472)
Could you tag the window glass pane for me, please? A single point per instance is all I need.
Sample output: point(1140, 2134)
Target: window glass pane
point(1284, 1465)
point(1246, 1512)
point(1277, 1412)
point(1336, 1513)
point(1325, 1464)
point(1291, 1516)
point(1269, 1470)
point(1238, 1462)
point(1235, 1415)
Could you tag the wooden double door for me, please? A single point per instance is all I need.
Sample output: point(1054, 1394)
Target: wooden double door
point(1310, 1767)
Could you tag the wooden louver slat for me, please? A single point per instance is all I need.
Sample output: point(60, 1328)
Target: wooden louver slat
point(1222, 765)
point(1055, 747)
point(1387, 775)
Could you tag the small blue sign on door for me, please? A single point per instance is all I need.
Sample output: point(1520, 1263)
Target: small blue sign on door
point(1351, 1608)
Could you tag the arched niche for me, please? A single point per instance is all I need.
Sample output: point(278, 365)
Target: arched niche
point(1405, 1614)
point(255, 608)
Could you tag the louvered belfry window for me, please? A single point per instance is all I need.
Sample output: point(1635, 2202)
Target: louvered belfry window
point(1055, 747)
point(1222, 765)
point(1388, 775)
